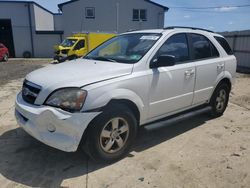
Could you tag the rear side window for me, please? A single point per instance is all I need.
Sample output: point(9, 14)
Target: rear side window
point(176, 46)
point(202, 47)
point(224, 45)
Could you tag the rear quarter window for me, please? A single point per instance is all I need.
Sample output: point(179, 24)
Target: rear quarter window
point(224, 44)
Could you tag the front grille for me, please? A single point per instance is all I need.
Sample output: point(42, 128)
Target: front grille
point(30, 92)
point(65, 51)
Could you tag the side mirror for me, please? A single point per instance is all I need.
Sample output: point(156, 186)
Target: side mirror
point(163, 61)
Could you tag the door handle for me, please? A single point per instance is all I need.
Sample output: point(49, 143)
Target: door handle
point(189, 73)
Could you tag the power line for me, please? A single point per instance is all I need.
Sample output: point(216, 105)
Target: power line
point(215, 11)
point(212, 7)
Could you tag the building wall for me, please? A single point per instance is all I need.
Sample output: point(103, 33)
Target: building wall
point(155, 15)
point(41, 19)
point(18, 13)
point(44, 44)
point(27, 18)
point(44, 21)
point(106, 16)
point(58, 22)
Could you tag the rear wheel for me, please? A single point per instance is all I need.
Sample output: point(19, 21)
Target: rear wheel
point(111, 134)
point(219, 100)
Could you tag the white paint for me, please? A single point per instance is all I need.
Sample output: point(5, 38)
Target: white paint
point(157, 93)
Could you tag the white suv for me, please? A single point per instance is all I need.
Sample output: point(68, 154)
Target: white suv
point(99, 101)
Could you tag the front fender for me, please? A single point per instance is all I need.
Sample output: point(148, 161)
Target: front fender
point(105, 98)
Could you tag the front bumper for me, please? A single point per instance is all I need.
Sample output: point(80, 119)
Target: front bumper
point(61, 57)
point(52, 126)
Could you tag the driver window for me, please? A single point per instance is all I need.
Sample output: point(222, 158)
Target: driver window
point(80, 45)
point(176, 46)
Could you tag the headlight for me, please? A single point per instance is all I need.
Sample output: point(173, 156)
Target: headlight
point(65, 51)
point(68, 99)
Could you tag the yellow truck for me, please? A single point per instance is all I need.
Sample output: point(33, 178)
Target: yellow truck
point(79, 44)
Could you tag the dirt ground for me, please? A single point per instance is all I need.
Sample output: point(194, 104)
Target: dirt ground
point(193, 151)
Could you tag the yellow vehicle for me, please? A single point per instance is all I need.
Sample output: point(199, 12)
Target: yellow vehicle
point(79, 44)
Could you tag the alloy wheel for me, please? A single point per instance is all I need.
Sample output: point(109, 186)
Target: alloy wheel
point(114, 135)
point(221, 100)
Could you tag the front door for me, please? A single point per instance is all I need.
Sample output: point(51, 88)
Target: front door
point(80, 48)
point(172, 87)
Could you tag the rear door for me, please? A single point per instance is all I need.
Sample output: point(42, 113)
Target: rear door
point(172, 87)
point(209, 66)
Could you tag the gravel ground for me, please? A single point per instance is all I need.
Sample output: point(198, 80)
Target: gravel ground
point(15, 69)
point(193, 151)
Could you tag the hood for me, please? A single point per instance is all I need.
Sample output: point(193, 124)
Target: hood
point(59, 47)
point(77, 73)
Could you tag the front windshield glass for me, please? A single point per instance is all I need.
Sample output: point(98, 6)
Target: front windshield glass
point(127, 48)
point(68, 42)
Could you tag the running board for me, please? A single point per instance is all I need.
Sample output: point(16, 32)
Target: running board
point(180, 116)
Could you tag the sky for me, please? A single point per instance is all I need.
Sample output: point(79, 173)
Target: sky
point(226, 17)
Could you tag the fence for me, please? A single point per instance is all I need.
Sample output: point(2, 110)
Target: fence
point(240, 43)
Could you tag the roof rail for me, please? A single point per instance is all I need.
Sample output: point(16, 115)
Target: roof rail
point(131, 30)
point(183, 27)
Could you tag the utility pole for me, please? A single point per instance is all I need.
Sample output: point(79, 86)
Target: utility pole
point(117, 17)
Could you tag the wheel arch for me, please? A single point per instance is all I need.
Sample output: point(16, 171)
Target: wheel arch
point(118, 96)
point(128, 103)
point(226, 80)
point(121, 95)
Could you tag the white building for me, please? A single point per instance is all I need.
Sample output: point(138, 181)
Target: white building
point(27, 28)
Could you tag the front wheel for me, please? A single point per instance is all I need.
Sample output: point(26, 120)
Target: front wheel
point(111, 134)
point(73, 57)
point(5, 57)
point(219, 100)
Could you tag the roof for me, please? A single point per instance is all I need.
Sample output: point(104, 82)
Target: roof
point(30, 2)
point(157, 4)
point(149, 1)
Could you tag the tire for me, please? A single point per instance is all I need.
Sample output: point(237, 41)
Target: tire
point(219, 100)
point(26, 54)
point(73, 57)
point(5, 57)
point(105, 143)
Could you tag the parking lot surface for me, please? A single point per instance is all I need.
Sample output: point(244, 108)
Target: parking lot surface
point(192, 151)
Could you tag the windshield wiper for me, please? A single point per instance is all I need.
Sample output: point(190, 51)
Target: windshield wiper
point(101, 58)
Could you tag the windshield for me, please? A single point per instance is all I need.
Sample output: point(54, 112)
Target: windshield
point(68, 42)
point(127, 48)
